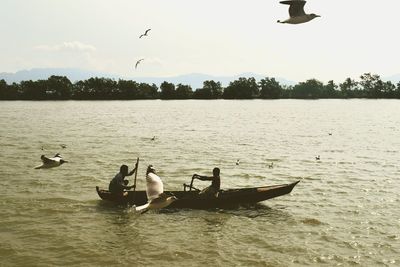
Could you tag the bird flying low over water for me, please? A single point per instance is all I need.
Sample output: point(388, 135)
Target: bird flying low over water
point(296, 12)
point(137, 62)
point(162, 201)
point(145, 33)
point(47, 163)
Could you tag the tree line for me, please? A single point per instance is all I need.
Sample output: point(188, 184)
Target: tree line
point(61, 88)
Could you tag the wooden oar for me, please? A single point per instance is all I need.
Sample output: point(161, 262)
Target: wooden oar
point(134, 182)
point(191, 183)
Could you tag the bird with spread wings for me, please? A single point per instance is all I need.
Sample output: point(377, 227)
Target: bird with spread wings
point(144, 34)
point(296, 12)
point(138, 62)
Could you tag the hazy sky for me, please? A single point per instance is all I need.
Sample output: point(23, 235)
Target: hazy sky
point(217, 37)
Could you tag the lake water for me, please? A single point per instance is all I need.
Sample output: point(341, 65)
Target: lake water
point(344, 212)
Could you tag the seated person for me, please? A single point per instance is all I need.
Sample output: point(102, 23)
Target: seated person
point(213, 189)
point(118, 184)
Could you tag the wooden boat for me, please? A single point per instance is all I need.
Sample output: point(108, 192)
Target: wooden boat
point(192, 200)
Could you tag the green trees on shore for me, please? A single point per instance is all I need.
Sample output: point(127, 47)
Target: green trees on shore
point(270, 89)
point(61, 88)
point(210, 90)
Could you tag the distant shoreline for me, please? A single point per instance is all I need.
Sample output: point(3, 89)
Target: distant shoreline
point(188, 99)
point(370, 86)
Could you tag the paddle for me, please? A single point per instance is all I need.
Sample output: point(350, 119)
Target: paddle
point(191, 183)
point(134, 182)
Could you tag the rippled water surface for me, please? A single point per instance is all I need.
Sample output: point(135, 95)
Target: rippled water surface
point(345, 211)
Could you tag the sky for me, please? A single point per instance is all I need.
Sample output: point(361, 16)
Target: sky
point(215, 37)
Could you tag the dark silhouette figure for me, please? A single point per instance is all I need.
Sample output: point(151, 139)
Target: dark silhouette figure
point(145, 33)
point(213, 189)
point(118, 185)
point(296, 12)
point(138, 62)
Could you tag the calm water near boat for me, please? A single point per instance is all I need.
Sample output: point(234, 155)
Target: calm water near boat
point(345, 211)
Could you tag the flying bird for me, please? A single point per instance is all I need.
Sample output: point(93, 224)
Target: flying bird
point(63, 145)
point(237, 162)
point(271, 165)
point(47, 163)
point(145, 33)
point(137, 62)
point(296, 12)
point(318, 157)
point(162, 201)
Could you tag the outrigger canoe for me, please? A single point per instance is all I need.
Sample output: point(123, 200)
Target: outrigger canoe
point(192, 200)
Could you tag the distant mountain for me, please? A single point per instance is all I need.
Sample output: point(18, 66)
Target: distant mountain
point(44, 73)
point(195, 80)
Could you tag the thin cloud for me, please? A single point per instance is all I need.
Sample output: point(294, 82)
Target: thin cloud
point(67, 46)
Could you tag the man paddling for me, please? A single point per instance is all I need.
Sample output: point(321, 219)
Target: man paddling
point(213, 189)
point(118, 185)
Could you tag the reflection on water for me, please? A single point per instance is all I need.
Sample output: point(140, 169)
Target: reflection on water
point(344, 211)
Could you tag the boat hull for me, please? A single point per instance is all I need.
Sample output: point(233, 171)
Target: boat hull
point(192, 200)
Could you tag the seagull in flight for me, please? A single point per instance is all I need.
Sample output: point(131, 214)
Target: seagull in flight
point(137, 62)
point(47, 163)
point(145, 33)
point(296, 12)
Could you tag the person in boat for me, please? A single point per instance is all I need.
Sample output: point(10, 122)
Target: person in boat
point(213, 189)
point(118, 184)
